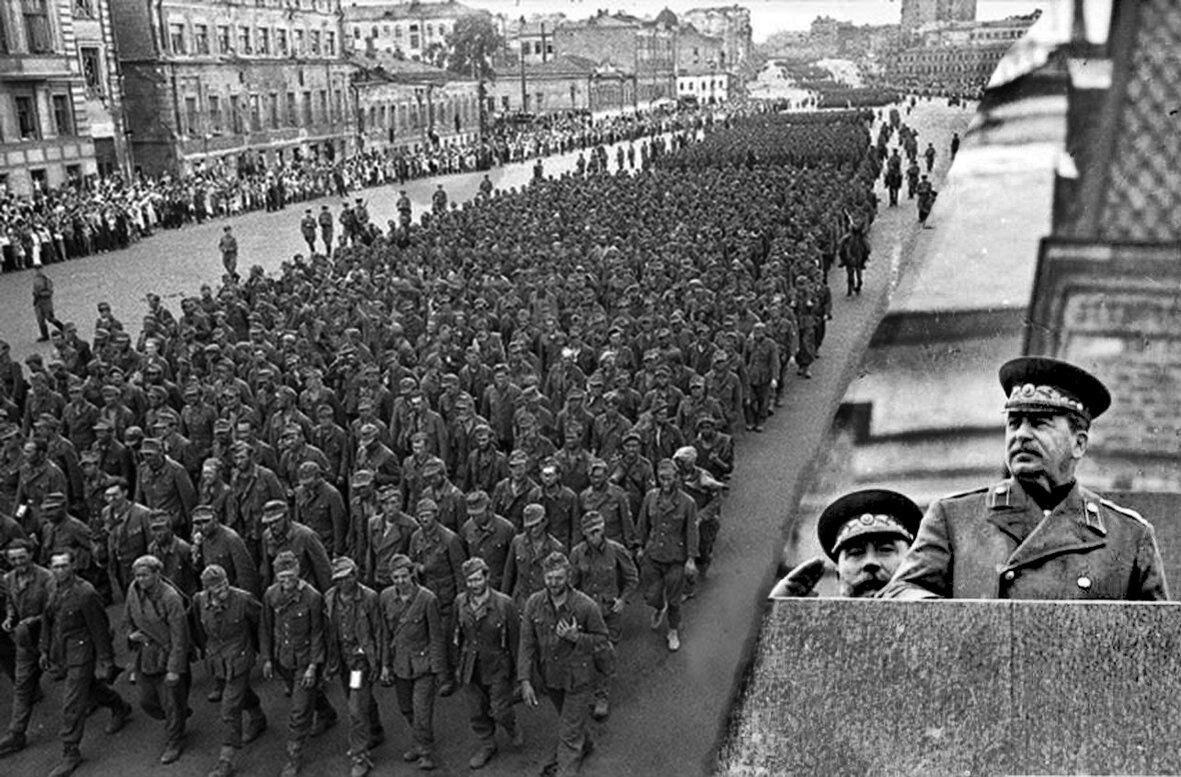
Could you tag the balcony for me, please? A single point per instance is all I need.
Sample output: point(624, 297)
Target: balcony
point(34, 67)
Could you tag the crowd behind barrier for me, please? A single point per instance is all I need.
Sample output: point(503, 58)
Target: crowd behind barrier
point(528, 373)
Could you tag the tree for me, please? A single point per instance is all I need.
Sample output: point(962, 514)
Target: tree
point(471, 44)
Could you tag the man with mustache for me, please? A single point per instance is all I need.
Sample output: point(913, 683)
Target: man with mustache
point(1037, 534)
point(865, 533)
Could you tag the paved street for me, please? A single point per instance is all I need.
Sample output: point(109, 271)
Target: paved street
point(669, 709)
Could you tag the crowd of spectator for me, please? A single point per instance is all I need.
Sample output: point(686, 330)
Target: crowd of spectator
point(105, 214)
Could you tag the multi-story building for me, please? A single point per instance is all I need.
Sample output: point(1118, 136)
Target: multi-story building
point(44, 140)
point(414, 30)
point(702, 72)
point(235, 84)
point(560, 84)
point(956, 56)
point(408, 105)
point(916, 13)
point(534, 36)
point(103, 85)
point(642, 49)
point(731, 24)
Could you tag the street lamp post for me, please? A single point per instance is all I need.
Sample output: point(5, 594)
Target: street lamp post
point(521, 45)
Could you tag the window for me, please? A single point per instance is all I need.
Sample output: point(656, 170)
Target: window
point(244, 44)
point(176, 37)
point(214, 103)
point(84, 9)
point(91, 69)
point(200, 38)
point(63, 115)
point(336, 108)
point(330, 44)
point(236, 113)
point(292, 119)
point(224, 44)
point(274, 110)
point(430, 30)
point(26, 118)
point(36, 13)
point(356, 33)
point(192, 118)
point(323, 114)
point(314, 42)
point(397, 31)
point(255, 114)
point(413, 38)
point(264, 41)
point(281, 42)
point(307, 109)
point(297, 42)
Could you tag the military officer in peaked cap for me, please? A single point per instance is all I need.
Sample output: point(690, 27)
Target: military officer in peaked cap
point(1037, 534)
point(865, 533)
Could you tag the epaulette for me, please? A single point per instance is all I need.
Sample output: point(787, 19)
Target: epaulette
point(960, 494)
point(1124, 511)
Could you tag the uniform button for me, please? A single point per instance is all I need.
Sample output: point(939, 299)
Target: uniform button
point(1084, 583)
point(1010, 576)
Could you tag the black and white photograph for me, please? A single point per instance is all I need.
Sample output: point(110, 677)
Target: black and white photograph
point(548, 387)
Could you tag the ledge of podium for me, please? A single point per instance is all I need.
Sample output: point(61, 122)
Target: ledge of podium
point(912, 689)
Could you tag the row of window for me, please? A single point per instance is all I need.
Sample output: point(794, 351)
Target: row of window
point(250, 41)
point(257, 112)
point(412, 32)
point(28, 121)
point(407, 116)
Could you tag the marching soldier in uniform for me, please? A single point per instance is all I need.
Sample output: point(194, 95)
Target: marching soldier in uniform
point(487, 633)
point(389, 536)
point(413, 656)
point(667, 532)
point(228, 621)
point(27, 588)
point(156, 620)
point(438, 556)
point(354, 635)
point(293, 647)
point(283, 534)
point(1038, 534)
point(603, 570)
point(76, 647)
point(561, 630)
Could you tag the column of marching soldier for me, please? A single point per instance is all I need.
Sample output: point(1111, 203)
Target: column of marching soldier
point(405, 602)
point(344, 475)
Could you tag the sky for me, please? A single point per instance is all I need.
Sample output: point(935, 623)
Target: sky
point(767, 16)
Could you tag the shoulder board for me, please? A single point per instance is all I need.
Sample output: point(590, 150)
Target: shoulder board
point(1123, 510)
point(960, 494)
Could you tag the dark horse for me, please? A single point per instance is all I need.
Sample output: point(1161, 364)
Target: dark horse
point(853, 254)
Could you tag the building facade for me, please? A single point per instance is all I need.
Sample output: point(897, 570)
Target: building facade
point(956, 56)
point(45, 140)
point(415, 31)
point(916, 13)
point(559, 85)
point(731, 24)
point(102, 86)
point(238, 85)
point(408, 105)
point(643, 50)
point(705, 88)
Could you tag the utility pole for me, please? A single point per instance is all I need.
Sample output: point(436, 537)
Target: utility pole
point(521, 46)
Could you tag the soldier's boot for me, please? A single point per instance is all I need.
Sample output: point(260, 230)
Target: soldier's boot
point(362, 764)
point(256, 724)
point(119, 718)
point(13, 742)
point(294, 759)
point(516, 735)
point(482, 756)
point(71, 757)
point(225, 763)
point(602, 708)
